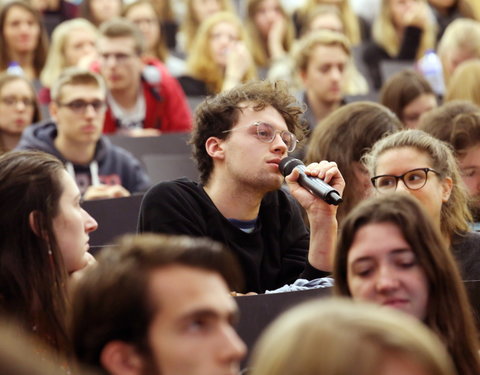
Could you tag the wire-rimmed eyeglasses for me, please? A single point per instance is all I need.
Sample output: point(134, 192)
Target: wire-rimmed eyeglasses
point(266, 133)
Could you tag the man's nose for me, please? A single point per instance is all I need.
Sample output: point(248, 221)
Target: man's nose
point(233, 348)
point(279, 144)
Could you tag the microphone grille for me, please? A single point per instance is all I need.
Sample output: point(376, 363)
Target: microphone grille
point(287, 164)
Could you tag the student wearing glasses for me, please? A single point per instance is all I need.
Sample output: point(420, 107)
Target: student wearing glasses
point(413, 162)
point(143, 98)
point(18, 109)
point(239, 139)
point(101, 169)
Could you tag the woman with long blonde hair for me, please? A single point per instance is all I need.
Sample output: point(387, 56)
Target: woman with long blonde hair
point(271, 31)
point(414, 162)
point(198, 11)
point(219, 58)
point(72, 41)
point(403, 30)
point(72, 44)
point(351, 22)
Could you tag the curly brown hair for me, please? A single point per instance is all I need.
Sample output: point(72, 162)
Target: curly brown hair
point(219, 113)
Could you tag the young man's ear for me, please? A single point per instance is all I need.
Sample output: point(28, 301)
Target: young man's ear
point(214, 147)
point(120, 358)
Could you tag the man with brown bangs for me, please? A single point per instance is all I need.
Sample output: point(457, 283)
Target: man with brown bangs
point(159, 305)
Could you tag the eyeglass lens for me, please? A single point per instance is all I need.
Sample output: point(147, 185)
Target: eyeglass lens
point(81, 105)
point(413, 180)
point(266, 133)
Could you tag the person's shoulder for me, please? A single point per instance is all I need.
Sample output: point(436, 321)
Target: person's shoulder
point(38, 136)
point(180, 186)
point(470, 239)
point(473, 237)
point(106, 149)
point(179, 192)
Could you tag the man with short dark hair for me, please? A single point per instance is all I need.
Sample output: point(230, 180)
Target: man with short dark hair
point(101, 169)
point(143, 98)
point(322, 61)
point(158, 305)
point(239, 139)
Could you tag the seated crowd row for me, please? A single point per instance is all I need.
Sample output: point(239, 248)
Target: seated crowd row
point(160, 303)
point(319, 49)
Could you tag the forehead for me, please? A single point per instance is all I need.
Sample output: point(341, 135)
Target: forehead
point(18, 12)
point(122, 44)
point(422, 102)
point(140, 10)
point(68, 186)
point(72, 92)
point(471, 157)
point(225, 27)
point(327, 18)
point(323, 53)
point(179, 291)
point(269, 114)
point(267, 4)
point(376, 240)
point(16, 86)
point(399, 160)
point(79, 33)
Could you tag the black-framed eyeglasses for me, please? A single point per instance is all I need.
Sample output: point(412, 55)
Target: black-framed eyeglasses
point(80, 106)
point(414, 179)
point(266, 133)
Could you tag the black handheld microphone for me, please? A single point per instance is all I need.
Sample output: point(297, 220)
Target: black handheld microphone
point(313, 184)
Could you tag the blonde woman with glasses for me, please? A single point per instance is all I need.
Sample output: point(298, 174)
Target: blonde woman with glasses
point(415, 163)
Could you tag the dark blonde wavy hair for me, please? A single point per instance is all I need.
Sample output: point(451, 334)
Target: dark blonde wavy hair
point(455, 214)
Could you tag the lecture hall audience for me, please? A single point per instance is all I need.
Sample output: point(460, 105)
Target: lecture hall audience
point(160, 58)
